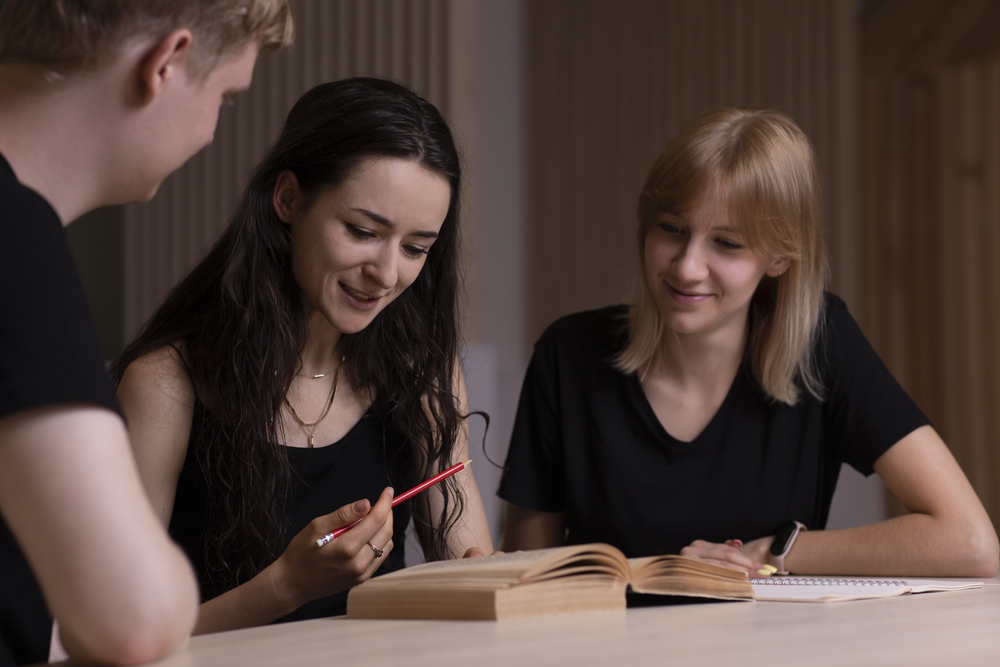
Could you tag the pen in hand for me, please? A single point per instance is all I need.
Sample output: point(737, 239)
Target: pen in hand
point(329, 537)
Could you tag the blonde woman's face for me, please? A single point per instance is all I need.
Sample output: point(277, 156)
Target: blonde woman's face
point(701, 272)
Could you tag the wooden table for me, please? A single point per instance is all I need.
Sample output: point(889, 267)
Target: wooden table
point(951, 628)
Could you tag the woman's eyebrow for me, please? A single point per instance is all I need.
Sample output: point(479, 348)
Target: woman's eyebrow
point(375, 217)
point(382, 220)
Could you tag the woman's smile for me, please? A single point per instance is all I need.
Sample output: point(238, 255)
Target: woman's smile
point(359, 299)
point(687, 296)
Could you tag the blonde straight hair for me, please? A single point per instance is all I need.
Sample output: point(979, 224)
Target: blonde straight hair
point(764, 166)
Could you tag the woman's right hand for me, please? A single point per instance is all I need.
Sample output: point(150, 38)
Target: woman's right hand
point(306, 572)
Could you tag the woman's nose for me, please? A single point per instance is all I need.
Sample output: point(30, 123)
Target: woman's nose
point(690, 264)
point(383, 267)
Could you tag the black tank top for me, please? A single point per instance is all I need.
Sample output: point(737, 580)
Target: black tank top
point(323, 479)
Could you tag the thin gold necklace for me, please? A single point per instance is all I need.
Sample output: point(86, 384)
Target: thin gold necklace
point(326, 410)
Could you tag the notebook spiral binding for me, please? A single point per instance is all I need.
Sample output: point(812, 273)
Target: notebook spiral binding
point(797, 581)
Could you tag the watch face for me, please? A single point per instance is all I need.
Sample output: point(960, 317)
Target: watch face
point(780, 543)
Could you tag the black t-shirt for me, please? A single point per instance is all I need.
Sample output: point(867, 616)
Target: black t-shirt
point(586, 441)
point(49, 354)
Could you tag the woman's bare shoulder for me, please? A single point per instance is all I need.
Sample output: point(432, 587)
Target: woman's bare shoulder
point(159, 376)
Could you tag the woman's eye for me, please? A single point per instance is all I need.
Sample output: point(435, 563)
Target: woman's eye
point(414, 250)
point(671, 229)
point(729, 245)
point(359, 233)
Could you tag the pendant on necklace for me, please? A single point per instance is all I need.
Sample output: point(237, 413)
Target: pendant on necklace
point(310, 441)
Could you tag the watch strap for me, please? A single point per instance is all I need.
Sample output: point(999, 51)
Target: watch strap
point(778, 560)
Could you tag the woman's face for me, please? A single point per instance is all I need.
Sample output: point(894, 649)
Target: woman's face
point(700, 271)
point(363, 242)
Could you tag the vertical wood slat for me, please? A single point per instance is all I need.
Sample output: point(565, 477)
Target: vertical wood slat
point(931, 220)
point(610, 83)
point(987, 485)
point(335, 39)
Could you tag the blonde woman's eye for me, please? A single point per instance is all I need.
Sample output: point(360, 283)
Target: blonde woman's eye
point(729, 245)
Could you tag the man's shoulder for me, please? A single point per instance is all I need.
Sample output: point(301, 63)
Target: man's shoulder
point(20, 205)
point(46, 330)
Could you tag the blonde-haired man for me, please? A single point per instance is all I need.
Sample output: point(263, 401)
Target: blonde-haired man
point(99, 101)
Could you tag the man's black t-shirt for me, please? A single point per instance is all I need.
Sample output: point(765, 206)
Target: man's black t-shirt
point(49, 354)
point(587, 442)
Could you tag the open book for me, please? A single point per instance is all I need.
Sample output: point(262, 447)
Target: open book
point(829, 589)
point(533, 583)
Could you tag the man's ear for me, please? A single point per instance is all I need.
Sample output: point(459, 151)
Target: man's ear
point(163, 62)
point(286, 195)
point(778, 266)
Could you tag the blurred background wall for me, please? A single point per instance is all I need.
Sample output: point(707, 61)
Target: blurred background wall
point(560, 106)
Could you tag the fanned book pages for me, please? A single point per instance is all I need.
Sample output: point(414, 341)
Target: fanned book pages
point(836, 589)
point(535, 583)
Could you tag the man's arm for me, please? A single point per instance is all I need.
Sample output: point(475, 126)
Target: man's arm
point(122, 591)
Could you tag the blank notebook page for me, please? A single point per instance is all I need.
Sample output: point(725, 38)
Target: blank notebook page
point(834, 589)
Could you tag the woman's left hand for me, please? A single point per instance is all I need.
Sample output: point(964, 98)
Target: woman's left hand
point(732, 554)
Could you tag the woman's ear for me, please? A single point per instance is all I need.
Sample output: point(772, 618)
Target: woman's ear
point(778, 266)
point(286, 195)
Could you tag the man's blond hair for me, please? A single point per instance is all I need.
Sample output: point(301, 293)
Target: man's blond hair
point(66, 36)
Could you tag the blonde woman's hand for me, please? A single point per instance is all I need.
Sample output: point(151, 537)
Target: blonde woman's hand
point(729, 554)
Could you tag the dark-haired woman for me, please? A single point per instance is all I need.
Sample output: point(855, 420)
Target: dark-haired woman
point(307, 366)
point(712, 416)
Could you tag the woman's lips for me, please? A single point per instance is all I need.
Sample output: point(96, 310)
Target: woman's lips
point(686, 297)
point(358, 299)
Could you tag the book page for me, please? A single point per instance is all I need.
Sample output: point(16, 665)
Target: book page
point(679, 575)
point(518, 566)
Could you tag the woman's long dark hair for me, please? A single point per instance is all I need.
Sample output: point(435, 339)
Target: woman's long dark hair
point(241, 321)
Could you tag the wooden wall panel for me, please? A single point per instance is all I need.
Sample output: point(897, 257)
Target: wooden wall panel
point(930, 227)
point(610, 83)
point(423, 44)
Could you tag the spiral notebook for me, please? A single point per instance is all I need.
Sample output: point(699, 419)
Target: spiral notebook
point(836, 589)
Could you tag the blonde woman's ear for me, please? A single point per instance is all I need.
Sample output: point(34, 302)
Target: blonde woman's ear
point(778, 266)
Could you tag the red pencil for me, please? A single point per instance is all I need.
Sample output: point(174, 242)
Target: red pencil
point(329, 537)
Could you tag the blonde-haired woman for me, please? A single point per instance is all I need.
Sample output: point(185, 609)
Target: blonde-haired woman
point(711, 418)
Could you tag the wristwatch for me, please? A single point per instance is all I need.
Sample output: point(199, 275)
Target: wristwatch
point(782, 544)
